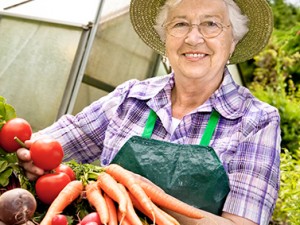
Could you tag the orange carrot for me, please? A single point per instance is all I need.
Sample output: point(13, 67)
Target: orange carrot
point(160, 218)
point(169, 217)
point(113, 219)
point(96, 199)
point(140, 178)
point(127, 179)
point(110, 186)
point(167, 201)
point(131, 214)
point(123, 220)
point(70, 192)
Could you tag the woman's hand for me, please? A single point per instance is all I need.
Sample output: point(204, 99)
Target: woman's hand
point(32, 172)
point(211, 219)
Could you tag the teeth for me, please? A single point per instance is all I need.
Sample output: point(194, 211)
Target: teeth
point(194, 55)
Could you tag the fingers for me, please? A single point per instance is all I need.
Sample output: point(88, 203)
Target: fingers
point(28, 143)
point(31, 177)
point(23, 154)
point(32, 171)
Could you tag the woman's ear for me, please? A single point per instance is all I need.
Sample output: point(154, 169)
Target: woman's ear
point(232, 47)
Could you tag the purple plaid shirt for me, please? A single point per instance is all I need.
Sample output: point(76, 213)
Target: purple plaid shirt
point(247, 138)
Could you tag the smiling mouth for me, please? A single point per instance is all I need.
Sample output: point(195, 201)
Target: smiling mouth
point(194, 55)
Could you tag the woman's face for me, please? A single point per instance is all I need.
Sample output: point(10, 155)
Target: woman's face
point(193, 55)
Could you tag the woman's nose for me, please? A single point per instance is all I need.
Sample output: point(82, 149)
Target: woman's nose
point(194, 35)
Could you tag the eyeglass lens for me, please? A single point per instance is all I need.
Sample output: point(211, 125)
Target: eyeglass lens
point(208, 29)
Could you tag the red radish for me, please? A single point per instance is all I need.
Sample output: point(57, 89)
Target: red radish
point(92, 223)
point(60, 220)
point(92, 217)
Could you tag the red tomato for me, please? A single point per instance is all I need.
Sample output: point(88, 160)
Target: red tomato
point(48, 186)
point(16, 127)
point(63, 168)
point(46, 153)
point(92, 217)
point(59, 220)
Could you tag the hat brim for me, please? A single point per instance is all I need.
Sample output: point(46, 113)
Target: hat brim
point(144, 12)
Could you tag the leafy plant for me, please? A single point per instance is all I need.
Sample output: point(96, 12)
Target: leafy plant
point(11, 175)
point(277, 79)
point(287, 209)
point(7, 111)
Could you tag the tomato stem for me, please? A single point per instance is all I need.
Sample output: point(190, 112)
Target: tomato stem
point(20, 142)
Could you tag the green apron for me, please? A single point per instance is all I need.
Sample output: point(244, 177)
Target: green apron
point(191, 173)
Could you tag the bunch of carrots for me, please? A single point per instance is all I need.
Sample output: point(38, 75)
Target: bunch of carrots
point(117, 194)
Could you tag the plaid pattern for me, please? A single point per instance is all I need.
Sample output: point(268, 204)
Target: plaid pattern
point(247, 138)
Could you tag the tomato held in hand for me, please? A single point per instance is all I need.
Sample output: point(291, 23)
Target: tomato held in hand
point(48, 186)
point(46, 153)
point(59, 220)
point(16, 127)
point(63, 168)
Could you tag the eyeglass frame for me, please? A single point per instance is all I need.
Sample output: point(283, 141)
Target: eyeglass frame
point(191, 25)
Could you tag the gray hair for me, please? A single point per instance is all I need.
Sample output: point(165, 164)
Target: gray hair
point(238, 21)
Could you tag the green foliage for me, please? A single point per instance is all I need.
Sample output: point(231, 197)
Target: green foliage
point(285, 15)
point(7, 112)
point(11, 175)
point(277, 79)
point(274, 77)
point(287, 209)
point(7, 161)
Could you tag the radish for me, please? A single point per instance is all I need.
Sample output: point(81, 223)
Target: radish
point(59, 220)
point(92, 217)
point(17, 206)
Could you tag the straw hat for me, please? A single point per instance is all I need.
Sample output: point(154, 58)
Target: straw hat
point(143, 14)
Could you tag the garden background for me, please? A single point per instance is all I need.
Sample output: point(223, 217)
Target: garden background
point(274, 77)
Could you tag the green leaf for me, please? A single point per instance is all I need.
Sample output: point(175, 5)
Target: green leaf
point(7, 111)
point(3, 165)
point(10, 112)
point(4, 177)
point(2, 112)
point(11, 158)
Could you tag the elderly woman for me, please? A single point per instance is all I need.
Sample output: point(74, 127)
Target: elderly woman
point(194, 132)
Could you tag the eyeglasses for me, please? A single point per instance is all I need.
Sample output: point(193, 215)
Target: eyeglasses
point(208, 29)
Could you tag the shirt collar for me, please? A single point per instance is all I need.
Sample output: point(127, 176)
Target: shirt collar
point(228, 99)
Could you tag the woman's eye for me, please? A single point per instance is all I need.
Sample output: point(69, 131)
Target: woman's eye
point(180, 24)
point(209, 24)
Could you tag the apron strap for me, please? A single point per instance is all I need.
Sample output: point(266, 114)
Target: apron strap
point(208, 133)
point(149, 124)
point(210, 128)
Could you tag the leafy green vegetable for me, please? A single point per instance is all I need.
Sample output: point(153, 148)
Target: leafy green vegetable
point(9, 161)
point(7, 111)
point(80, 207)
point(3, 165)
point(85, 172)
point(4, 176)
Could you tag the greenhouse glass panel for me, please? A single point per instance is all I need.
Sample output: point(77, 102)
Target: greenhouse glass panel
point(44, 47)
